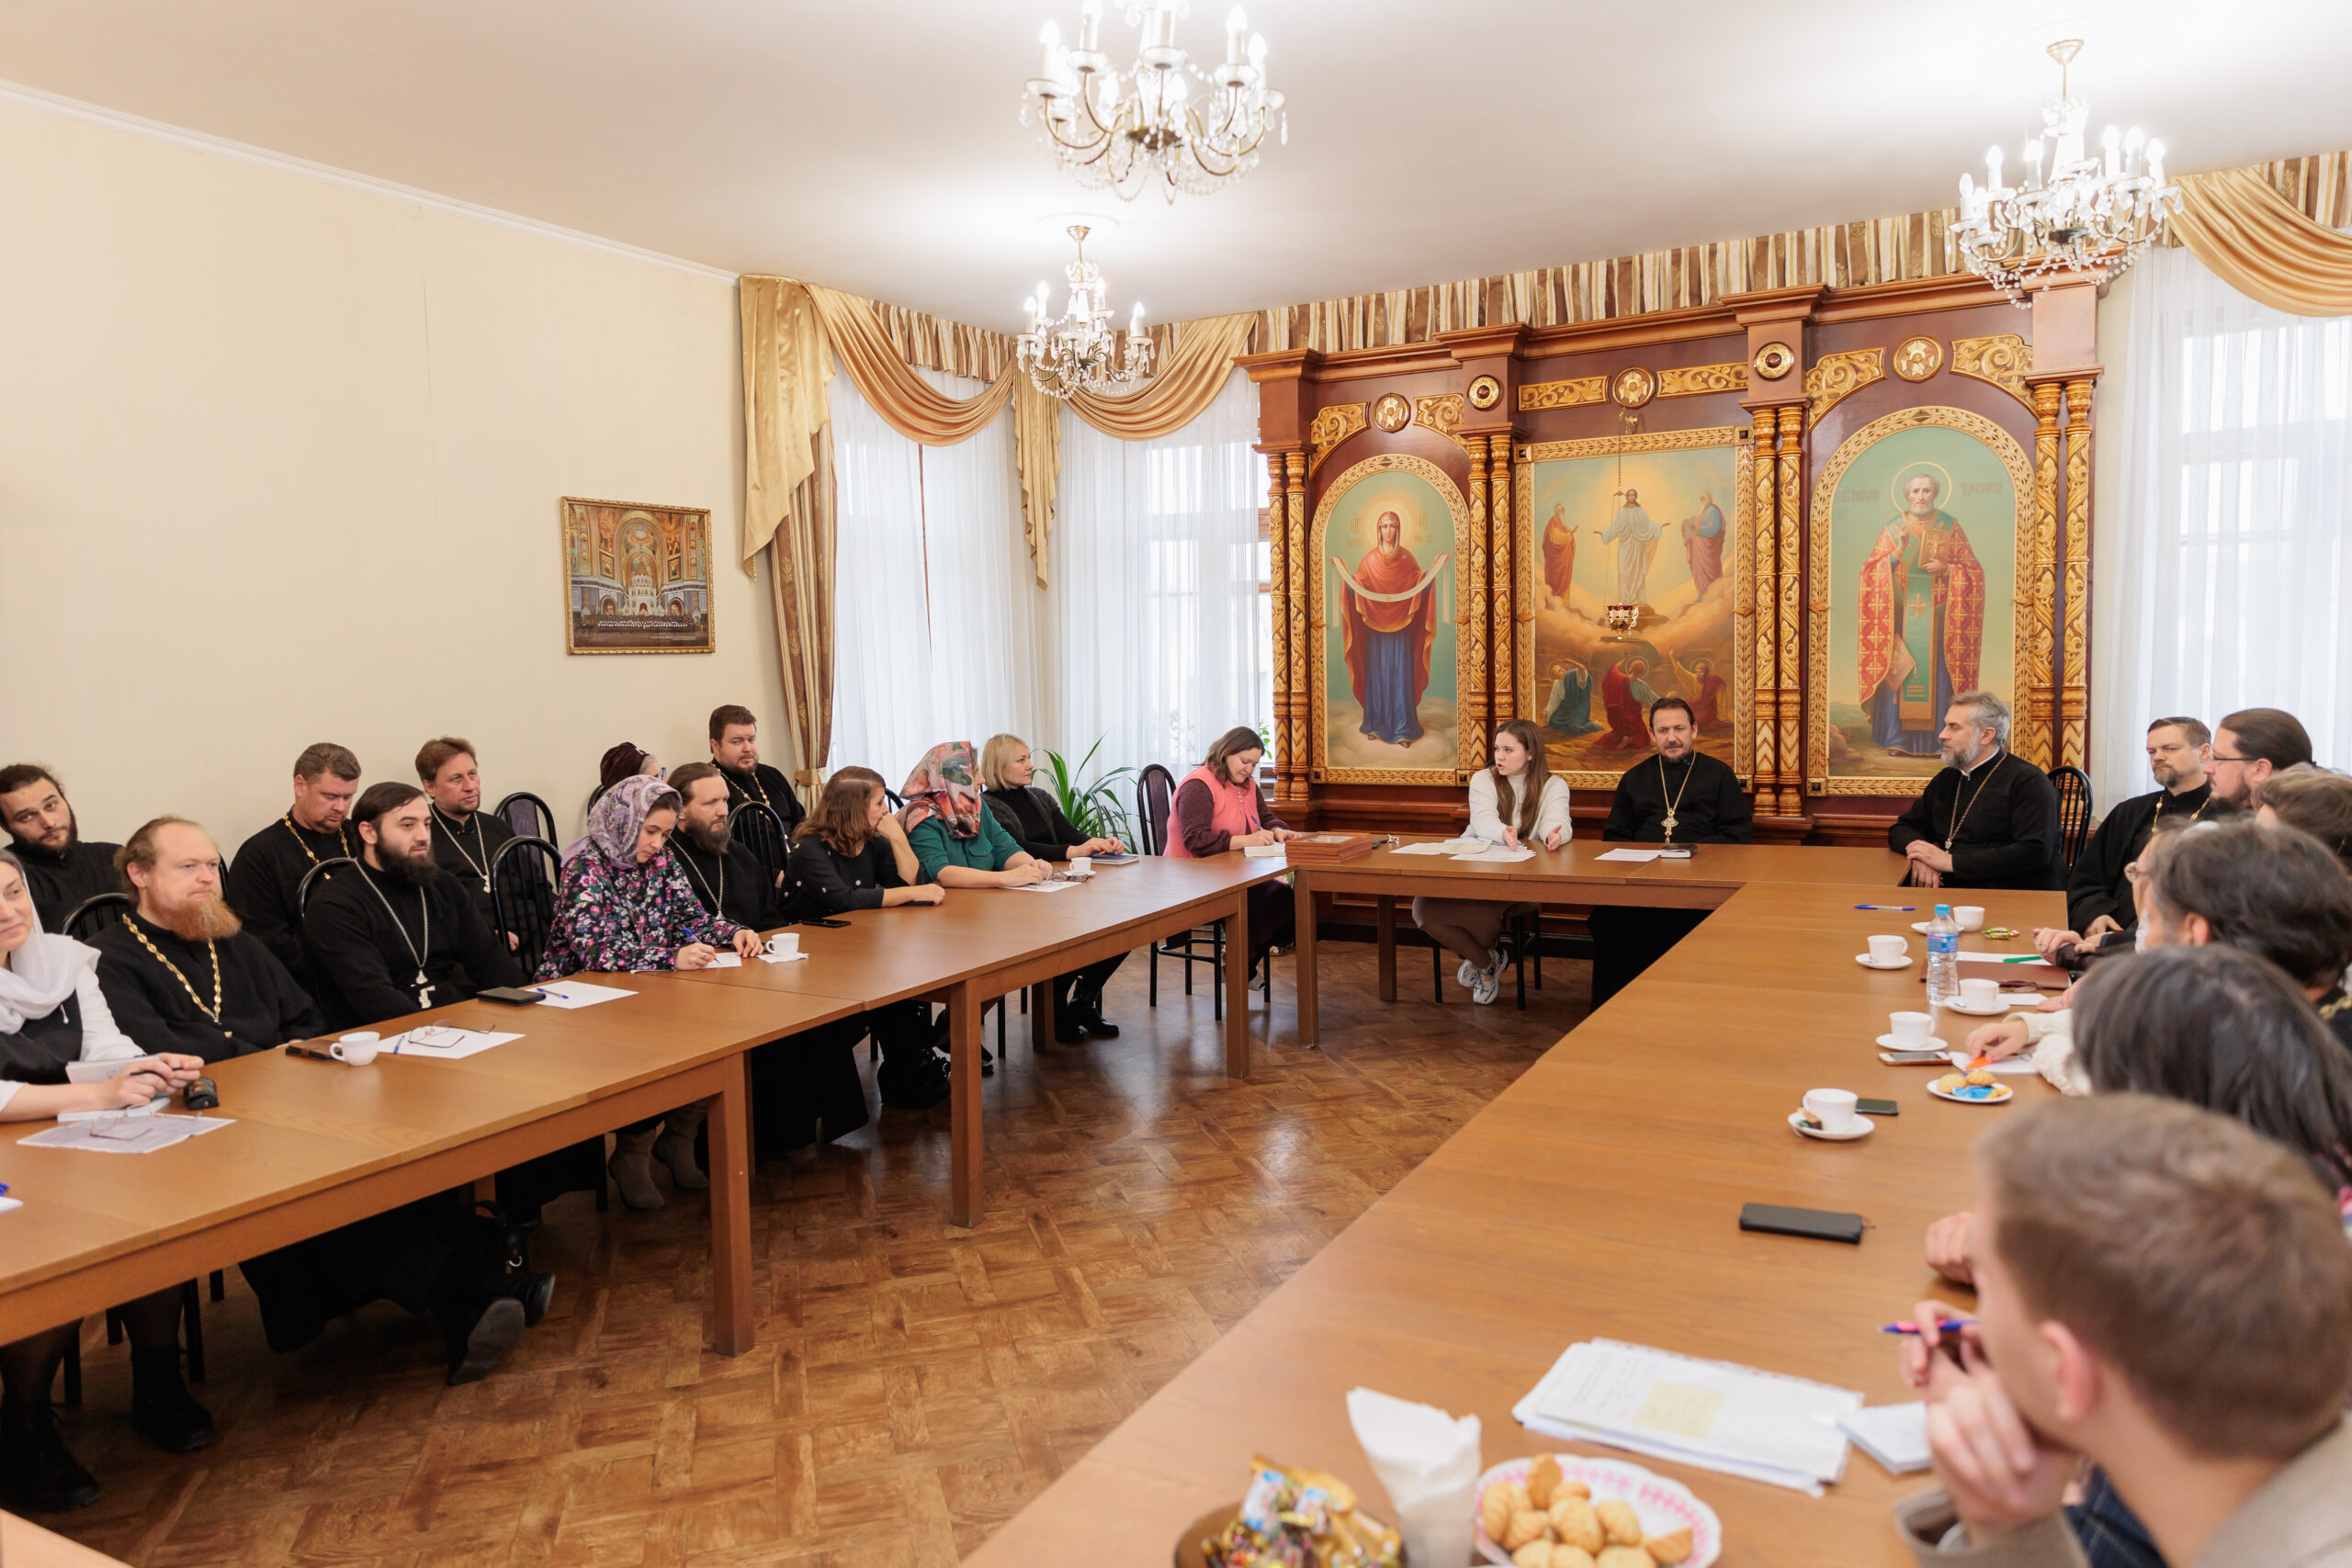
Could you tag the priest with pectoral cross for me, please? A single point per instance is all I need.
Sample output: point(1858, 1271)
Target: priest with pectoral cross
point(402, 936)
point(1676, 796)
point(1987, 820)
point(466, 838)
point(263, 882)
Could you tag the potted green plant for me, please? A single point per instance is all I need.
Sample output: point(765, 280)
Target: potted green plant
point(1094, 809)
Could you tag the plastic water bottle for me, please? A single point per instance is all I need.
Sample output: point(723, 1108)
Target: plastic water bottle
point(1943, 958)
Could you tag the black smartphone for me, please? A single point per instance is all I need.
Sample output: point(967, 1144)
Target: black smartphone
point(510, 996)
point(1819, 1223)
point(1915, 1059)
point(1877, 1108)
point(819, 920)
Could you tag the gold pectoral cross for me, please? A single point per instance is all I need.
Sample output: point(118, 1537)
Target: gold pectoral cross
point(1669, 827)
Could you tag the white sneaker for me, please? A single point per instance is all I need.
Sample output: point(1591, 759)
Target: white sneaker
point(1489, 986)
point(1466, 976)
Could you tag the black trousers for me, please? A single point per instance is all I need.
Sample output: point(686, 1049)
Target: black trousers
point(1626, 940)
point(1088, 982)
point(433, 1256)
point(805, 1082)
point(1273, 917)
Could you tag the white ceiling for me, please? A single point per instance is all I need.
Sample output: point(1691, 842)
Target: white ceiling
point(876, 145)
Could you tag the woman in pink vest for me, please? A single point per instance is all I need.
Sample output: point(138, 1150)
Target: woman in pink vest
point(1217, 807)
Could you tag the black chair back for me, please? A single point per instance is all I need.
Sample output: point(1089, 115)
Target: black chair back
point(2075, 811)
point(759, 830)
point(522, 895)
point(312, 877)
point(594, 797)
point(527, 815)
point(94, 914)
point(1155, 798)
point(898, 802)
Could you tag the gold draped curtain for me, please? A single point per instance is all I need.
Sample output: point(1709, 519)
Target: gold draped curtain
point(792, 333)
point(2255, 241)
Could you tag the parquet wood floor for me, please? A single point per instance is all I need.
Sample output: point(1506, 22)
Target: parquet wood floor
point(913, 1384)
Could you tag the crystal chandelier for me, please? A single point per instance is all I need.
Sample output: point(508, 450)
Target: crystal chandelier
point(1081, 353)
point(2094, 214)
point(1125, 132)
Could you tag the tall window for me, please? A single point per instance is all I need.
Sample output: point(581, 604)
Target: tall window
point(2235, 552)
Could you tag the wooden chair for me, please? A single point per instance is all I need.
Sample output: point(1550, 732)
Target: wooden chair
point(2075, 811)
point(1155, 804)
point(527, 815)
point(1522, 934)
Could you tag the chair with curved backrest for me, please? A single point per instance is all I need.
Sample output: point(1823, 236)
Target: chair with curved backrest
point(1155, 804)
point(594, 797)
point(527, 815)
point(898, 802)
point(303, 889)
point(761, 830)
point(2075, 811)
point(522, 895)
point(94, 914)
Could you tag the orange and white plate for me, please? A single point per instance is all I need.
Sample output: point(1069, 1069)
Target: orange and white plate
point(1995, 1094)
point(1665, 1505)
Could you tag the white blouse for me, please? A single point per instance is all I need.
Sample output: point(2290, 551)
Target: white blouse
point(1552, 811)
point(102, 1039)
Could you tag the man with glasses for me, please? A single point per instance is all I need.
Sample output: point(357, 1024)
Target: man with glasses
point(2098, 895)
point(2251, 745)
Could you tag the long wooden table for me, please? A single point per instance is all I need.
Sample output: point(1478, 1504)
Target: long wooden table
point(985, 942)
point(1598, 1197)
point(1574, 874)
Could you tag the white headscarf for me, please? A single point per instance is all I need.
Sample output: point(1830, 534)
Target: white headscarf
point(40, 975)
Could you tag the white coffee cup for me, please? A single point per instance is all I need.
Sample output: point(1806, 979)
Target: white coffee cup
point(785, 944)
point(1968, 916)
point(1081, 865)
point(1983, 996)
point(1832, 1108)
point(1887, 949)
point(1910, 1030)
point(358, 1049)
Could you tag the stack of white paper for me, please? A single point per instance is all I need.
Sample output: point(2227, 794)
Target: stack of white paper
point(123, 1135)
point(578, 994)
point(1629, 854)
point(1458, 848)
point(1500, 855)
point(1715, 1415)
point(445, 1040)
point(1894, 1435)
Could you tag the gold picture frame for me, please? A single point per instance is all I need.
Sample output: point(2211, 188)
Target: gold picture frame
point(637, 578)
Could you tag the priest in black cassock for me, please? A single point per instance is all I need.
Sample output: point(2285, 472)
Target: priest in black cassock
point(180, 974)
point(466, 838)
point(267, 873)
point(61, 870)
point(2098, 895)
point(735, 747)
point(726, 876)
point(1987, 820)
point(1677, 795)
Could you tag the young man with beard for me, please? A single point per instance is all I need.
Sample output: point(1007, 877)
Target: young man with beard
point(180, 974)
point(2250, 746)
point(1987, 820)
point(466, 838)
point(725, 877)
point(2098, 893)
point(267, 873)
point(404, 935)
point(1678, 795)
point(735, 747)
point(60, 869)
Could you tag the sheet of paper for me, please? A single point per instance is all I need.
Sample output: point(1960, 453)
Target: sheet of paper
point(1046, 887)
point(1894, 1435)
point(114, 1135)
point(1629, 854)
point(2020, 1065)
point(2014, 960)
point(444, 1042)
point(149, 1109)
point(1443, 847)
point(98, 1072)
point(1498, 855)
point(726, 961)
point(782, 957)
point(199, 1123)
point(578, 994)
point(8, 1203)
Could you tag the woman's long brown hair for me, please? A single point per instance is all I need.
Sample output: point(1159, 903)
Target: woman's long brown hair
point(1240, 737)
point(1528, 804)
point(839, 821)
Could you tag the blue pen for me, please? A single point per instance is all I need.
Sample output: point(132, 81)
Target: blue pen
point(1891, 908)
point(1943, 1325)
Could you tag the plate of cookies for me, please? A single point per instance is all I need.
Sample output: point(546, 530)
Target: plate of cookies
point(1568, 1511)
point(1975, 1086)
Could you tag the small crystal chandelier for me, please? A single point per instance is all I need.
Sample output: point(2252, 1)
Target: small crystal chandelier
point(1081, 353)
point(1126, 131)
point(2093, 214)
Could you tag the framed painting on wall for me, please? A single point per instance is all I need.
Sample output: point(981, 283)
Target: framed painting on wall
point(1917, 554)
point(1388, 535)
point(1635, 562)
point(637, 579)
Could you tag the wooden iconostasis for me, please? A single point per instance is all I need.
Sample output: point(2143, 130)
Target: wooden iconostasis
point(1830, 510)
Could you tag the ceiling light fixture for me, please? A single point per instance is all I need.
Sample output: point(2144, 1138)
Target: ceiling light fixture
point(1082, 352)
point(1127, 131)
point(2093, 214)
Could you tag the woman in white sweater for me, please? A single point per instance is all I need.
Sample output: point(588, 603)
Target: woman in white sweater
point(1516, 801)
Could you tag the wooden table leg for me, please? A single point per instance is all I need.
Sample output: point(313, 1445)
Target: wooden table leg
point(1386, 923)
point(964, 1104)
point(1041, 1014)
point(1236, 986)
point(731, 1212)
point(1304, 903)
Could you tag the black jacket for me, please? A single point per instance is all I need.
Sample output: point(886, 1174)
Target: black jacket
point(821, 882)
point(1036, 821)
point(2002, 821)
point(365, 954)
point(261, 1006)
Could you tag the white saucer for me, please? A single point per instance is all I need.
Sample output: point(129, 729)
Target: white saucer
point(1795, 1120)
point(1867, 962)
point(2003, 1094)
point(1888, 1042)
point(1994, 1012)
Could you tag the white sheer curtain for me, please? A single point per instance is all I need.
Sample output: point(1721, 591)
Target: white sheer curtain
point(2235, 516)
point(934, 633)
point(1157, 614)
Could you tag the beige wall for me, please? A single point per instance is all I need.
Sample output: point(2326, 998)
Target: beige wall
point(279, 462)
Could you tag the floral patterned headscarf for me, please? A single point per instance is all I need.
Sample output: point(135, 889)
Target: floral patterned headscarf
point(945, 784)
point(619, 815)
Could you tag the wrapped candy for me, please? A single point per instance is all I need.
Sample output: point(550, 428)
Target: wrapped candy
point(1300, 1518)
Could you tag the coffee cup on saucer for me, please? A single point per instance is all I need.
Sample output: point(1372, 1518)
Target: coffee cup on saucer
point(1081, 867)
point(358, 1049)
point(1832, 1108)
point(1910, 1030)
point(785, 944)
point(1980, 996)
point(1968, 917)
point(1887, 949)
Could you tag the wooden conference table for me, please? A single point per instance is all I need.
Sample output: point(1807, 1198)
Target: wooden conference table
point(1598, 1197)
point(1573, 874)
point(317, 1145)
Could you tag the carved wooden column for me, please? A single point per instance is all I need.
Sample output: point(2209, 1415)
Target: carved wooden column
point(2037, 599)
point(1777, 321)
point(2073, 671)
point(1764, 553)
point(1501, 549)
point(1470, 626)
point(1297, 745)
point(1278, 609)
point(1790, 774)
point(1286, 391)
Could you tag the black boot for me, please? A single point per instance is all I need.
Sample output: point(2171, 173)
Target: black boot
point(37, 1474)
point(911, 1080)
point(493, 1331)
point(161, 1406)
point(1086, 1001)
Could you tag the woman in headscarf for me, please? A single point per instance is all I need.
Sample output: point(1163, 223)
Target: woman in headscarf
point(624, 907)
point(52, 1013)
point(626, 761)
